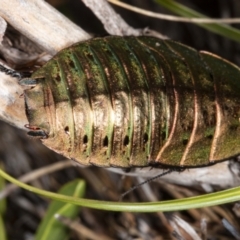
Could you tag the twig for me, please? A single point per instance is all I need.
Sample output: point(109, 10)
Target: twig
point(205, 177)
point(80, 229)
point(183, 230)
point(112, 22)
point(42, 23)
point(3, 26)
point(36, 174)
point(171, 17)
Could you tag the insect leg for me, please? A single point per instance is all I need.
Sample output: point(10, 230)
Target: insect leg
point(30, 82)
point(10, 72)
point(150, 180)
point(40, 134)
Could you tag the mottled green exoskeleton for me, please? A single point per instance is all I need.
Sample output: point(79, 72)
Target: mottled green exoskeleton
point(134, 102)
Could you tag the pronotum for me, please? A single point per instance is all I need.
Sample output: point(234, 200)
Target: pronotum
point(135, 102)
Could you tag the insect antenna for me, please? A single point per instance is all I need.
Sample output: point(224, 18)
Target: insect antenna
point(10, 72)
point(150, 180)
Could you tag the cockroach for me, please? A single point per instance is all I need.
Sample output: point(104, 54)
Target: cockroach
point(134, 102)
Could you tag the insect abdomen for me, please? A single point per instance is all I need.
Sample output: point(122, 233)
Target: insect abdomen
point(137, 101)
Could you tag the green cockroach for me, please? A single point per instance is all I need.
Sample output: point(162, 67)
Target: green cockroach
point(135, 102)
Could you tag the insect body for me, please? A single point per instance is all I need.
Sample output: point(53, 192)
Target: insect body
point(136, 101)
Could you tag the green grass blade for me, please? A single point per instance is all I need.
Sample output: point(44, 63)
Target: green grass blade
point(213, 199)
point(3, 207)
point(2, 229)
point(221, 29)
point(3, 203)
point(50, 228)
